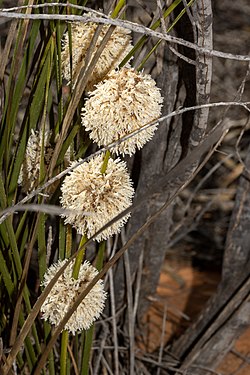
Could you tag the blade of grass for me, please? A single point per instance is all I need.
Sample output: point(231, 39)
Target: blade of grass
point(140, 67)
point(3, 204)
point(24, 236)
point(41, 246)
point(79, 258)
point(67, 143)
point(65, 334)
point(15, 256)
point(88, 339)
point(118, 8)
point(10, 290)
point(21, 223)
point(100, 255)
point(64, 352)
point(89, 334)
point(144, 38)
point(35, 112)
point(14, 248)
point(22, 29)
point(58, 73)
point(42, 217)
point(7, 47)
point(82, 149)
point(23, 293)
point(12, 100)
point(4, 237)
point(6, 276)
point(51, 364)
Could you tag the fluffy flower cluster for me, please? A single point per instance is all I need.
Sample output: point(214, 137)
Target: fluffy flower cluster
point(114, 52)
point(102, 195)
point(65, 292)
point(29, 174)
point(120, 105)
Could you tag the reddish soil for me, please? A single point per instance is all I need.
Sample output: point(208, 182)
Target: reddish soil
point(181, 294)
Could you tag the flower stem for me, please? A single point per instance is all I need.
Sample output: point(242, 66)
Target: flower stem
point(79, 258)
point(63, 357)
point(105, 162)
point(100, 256)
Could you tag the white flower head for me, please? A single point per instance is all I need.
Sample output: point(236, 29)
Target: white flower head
point(65, 292)
point(114, 52)
point(30, 169)
point(123, 103)
point(102, 195)
point(29, 173)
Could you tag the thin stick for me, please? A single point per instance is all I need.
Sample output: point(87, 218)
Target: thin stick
point(163, 329)
point(45, 208)
point(101, 349)
point(114, 323)
point(138, 283)
point(127, 25)
point(73, 360)
point(113, 307)
point(130, 316)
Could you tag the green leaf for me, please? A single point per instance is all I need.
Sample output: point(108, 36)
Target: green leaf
point(144, 38)
point(14, 96)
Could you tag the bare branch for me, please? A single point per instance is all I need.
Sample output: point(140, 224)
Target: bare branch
point(127, 25)
point(45, 208)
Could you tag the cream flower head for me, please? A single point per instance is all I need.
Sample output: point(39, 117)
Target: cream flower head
point(66, 290)
point(123, 103)
point(29, 173)
point(114, 52)
point(102, 195)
